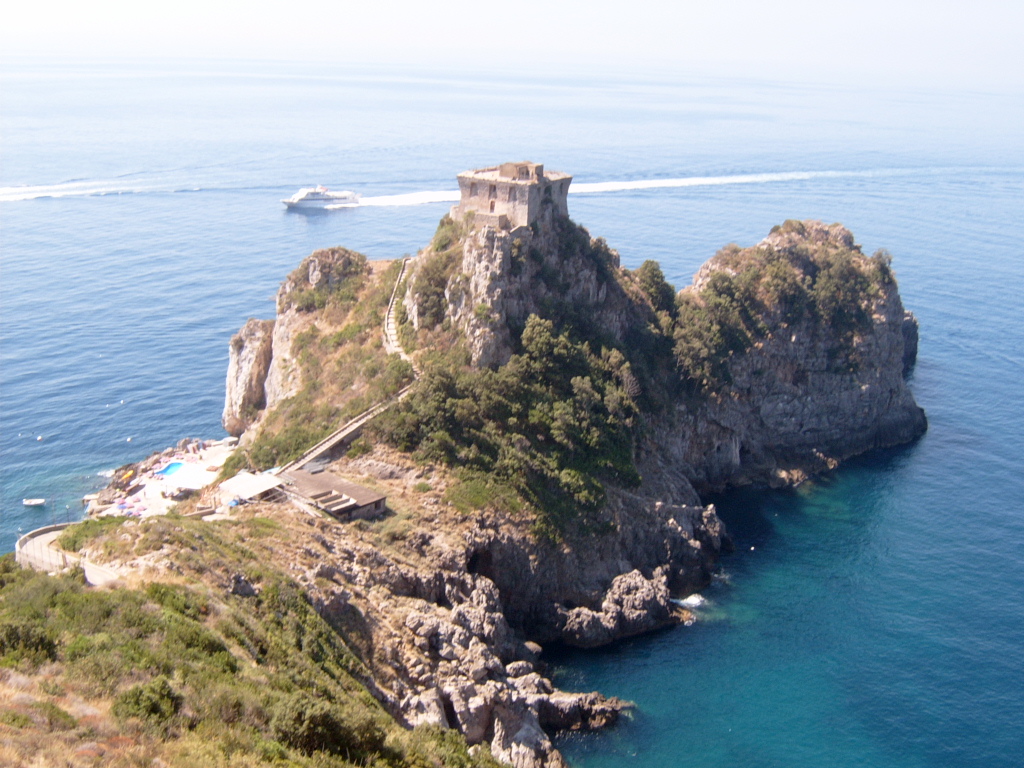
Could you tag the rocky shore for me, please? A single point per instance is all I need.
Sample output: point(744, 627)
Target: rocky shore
point(450, 615)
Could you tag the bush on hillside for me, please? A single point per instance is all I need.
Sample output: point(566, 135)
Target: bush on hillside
point(554, 423)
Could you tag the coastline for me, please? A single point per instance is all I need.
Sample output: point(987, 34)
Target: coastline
point(456, 600)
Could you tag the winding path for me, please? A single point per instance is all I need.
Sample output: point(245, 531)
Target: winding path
point(355, 426)
point(38, 550)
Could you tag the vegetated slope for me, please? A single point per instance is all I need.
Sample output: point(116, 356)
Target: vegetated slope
point(319, 363)
point(198, 668)
point(571, 373)
point(542, 476)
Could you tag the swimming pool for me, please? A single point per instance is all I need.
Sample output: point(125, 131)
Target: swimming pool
point(170, 469)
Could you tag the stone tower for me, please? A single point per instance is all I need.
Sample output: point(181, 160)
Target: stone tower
point(511, 195)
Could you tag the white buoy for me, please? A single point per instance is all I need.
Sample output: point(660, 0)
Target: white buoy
point(39, 439)
point(751, 549)
point(129, 439)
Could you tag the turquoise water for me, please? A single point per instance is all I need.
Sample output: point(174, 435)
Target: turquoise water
point(878, 619)
point(170, 469)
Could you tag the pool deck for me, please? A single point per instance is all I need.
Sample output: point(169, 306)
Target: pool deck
point(151, 492)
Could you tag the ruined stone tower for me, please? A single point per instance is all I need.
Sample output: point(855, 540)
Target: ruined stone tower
point(511, 195)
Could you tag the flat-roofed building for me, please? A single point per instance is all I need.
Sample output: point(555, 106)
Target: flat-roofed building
point(339, 498)
point(511, 195)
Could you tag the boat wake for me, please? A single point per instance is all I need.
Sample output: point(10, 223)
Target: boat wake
point(95, 187)
point(92, 188)
point(411, 198)
point(599, 187)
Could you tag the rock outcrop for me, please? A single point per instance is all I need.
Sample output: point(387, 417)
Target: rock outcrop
point(797, 406)
point(449, 626)
point(446, 619)
point(262, 369)
point(522, 272)
point(248, 365)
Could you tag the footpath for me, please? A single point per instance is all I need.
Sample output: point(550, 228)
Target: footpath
point(354, 427)
point(39, 550)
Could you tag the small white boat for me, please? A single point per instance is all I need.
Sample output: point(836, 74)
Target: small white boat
point(34, 502)
point(320, 197)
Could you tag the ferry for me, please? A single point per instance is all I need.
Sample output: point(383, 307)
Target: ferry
point(320, 197)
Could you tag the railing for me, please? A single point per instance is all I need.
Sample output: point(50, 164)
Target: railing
point(43, 557)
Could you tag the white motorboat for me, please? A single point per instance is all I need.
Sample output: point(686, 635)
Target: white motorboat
point(321, 197)
point(34, 502)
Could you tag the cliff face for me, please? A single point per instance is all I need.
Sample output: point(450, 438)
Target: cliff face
point(779, 361)
point(501, 277)
point(248, 363)
point(261, 369)
point(801, 399)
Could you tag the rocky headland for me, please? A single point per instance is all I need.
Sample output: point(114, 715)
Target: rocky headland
point(543, 471)
point(778, 362)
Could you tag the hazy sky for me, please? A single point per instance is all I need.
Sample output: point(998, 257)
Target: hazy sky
point(975, 43)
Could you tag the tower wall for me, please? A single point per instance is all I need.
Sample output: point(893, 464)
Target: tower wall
point(511, 195)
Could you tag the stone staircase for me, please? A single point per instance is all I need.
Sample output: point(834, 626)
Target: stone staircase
point(333, 502)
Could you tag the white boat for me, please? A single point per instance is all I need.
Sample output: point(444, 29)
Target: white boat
point(34, 502)
point(320, 197)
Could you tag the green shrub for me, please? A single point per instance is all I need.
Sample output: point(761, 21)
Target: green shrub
point(315, 725)
point(554, 407)
point(359, 447)
point(448, 233)
point(349, 333)
point(235, 463)
point(652, 282)
point(14, 719)
point(430, 283)
point(153, 702)
point(24, 639)
point(176, 599)
point(72, 539)
point(56, 718)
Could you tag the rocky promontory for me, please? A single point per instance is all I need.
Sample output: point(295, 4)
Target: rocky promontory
point(549, 461)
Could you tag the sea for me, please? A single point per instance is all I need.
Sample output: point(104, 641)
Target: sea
point(873, 617)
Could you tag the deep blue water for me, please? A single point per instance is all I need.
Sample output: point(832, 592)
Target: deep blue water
point(872, 618)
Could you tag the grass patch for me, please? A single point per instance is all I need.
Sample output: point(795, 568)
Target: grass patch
point(478, 491)
point(72, 539)
point(207, 679)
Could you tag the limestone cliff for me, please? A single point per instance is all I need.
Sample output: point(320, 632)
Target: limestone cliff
point(779, 361)
point(801, 399)
point(248, 364)
point(492, 280)
point(263, 370)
